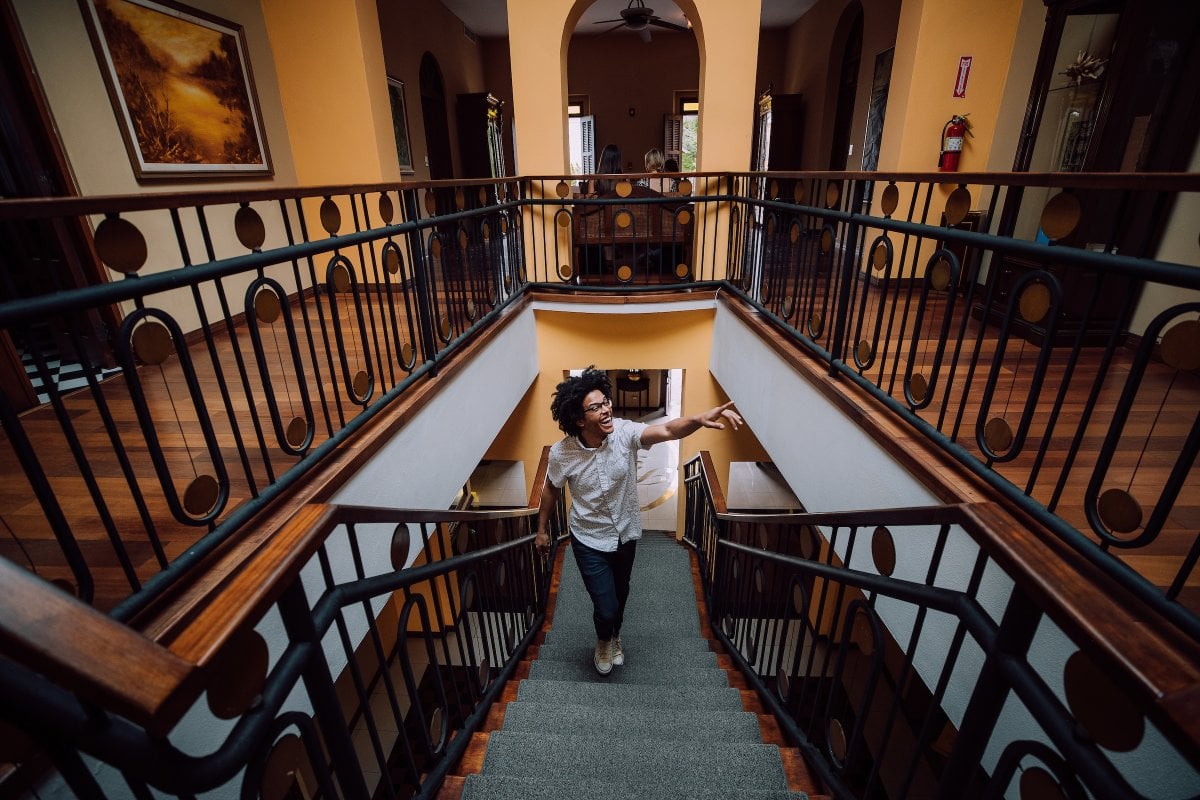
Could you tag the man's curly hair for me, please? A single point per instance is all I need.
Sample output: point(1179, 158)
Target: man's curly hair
point(567, 404)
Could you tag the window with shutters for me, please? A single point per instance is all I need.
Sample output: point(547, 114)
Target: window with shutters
point(680, 129)
point(581, 131)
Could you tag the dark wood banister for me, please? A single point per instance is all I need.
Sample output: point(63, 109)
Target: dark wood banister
point(1159, 666)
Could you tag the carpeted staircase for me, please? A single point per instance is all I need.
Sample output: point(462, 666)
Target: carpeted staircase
point(671, 723)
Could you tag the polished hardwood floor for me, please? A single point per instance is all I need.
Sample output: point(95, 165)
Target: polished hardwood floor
point(124, 511)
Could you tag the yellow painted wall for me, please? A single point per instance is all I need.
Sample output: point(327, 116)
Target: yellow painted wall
point(329, 59)
point(932, 36)
point(665, 340)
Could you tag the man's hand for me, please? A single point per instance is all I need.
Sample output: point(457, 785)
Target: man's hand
point(712, 418)
point(542, 543)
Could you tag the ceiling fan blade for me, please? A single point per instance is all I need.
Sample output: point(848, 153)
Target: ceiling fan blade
point(604, 21)
point(613, 28)
point(662, 23)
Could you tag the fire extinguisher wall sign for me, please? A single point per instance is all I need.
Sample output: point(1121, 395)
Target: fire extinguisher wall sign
point(953, 134)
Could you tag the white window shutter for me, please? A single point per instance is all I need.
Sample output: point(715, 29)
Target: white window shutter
point(673, 137)
point(587, 131)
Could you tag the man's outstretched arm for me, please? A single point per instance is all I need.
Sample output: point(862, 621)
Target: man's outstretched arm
point(550, 495)
point(685, 426)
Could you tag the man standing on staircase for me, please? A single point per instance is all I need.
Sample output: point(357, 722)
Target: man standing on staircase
point(598, 459)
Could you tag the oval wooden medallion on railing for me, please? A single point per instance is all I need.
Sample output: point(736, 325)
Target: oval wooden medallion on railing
point(998, 434)
point(266, 306)
point(399, 549)
point(391, 260)
point(837, 740)
point(249, 227)
point(682, 271)
point(624, 188)
point(152, 342)
point(773, 190)
point(783, 684)
point(788, 306)
point(799, 600)
point(437, 729)
point(120, 245)
point(501, 574)
point(331, 216)
point(833, 194)
point(386, 209)
point(460, 200)
point(863, 351)
point(445, 328)
point(879, 256)
point(624, 273)
point(1034, 302)
point(406, 354)
point(565, 272)
point(282, 777)
point(623, 219)
point(939, 276)
point(883, 551)
point(1038, 784)
point(563, 218)
point(683, 217)
point(918, 387)
point(684, 188)
point(1180, 346)
point(484, 674)
point(728, 625)
point(430, 202)
point(361, 384)
point(237, 675)
point(890, 199)
point(1060, 215)
point(751, 648)
point(297, 432)
point(759, 580)
point(1106, 712)
point(1119, 511)
point(201, 496)
point(816, 323)
point(826, 241)
point(339, 278)
point(471, 309)
point(462, 238)
point(562, 190)
point(771, 225)
point(800, 193)
point(435, 247)
point(958, 205)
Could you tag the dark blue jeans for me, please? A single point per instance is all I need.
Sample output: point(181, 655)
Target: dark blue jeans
point(606, 576)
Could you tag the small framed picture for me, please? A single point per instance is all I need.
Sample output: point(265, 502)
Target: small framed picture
point(400, 125)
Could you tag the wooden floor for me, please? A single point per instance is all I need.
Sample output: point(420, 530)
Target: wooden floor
point(1163, 415)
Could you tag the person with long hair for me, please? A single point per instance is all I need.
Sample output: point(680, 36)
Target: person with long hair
point(610, 164)
point(597, 458)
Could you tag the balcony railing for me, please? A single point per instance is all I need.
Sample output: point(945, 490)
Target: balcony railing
point(927, 652)
point(255, 331)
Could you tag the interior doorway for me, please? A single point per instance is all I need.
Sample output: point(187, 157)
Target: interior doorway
point(433, 113)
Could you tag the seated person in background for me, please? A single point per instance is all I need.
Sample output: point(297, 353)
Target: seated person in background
point(671, 165)
point(655, 163)
point(610, 164)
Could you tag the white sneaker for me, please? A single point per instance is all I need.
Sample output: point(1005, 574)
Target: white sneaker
point(618, 655)
point(603, 657)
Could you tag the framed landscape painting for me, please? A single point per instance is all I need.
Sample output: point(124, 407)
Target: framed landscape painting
point(181, 88)
point(400, 126)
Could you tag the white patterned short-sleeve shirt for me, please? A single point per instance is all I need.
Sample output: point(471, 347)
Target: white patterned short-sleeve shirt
point(603, 481)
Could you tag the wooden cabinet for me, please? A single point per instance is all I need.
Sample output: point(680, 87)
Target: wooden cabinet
point(778, 133)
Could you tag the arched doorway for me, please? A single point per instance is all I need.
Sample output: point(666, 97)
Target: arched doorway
point(433, 112)
point(847, 85)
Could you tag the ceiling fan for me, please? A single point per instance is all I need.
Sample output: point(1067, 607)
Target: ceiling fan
point(636, 17)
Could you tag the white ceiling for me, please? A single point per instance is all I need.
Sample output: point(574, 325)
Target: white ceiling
point(490, 17)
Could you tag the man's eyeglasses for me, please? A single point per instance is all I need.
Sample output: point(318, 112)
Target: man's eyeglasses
point(595, 407)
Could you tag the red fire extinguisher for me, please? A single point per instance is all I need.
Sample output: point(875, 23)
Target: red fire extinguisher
point(952, 142)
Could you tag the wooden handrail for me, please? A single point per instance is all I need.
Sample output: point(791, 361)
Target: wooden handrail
point(99, 659)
